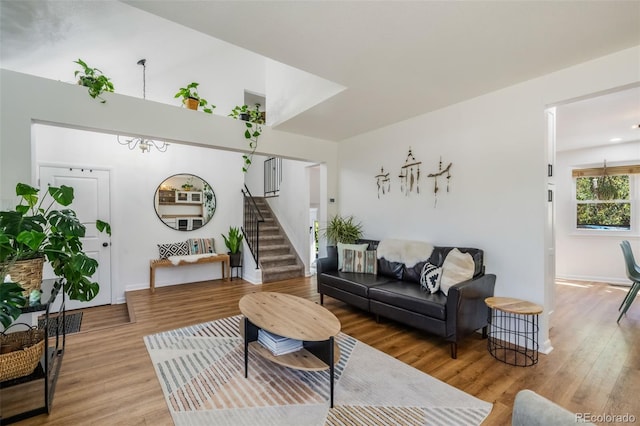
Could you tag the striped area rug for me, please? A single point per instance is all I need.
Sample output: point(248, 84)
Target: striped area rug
point(201, 371)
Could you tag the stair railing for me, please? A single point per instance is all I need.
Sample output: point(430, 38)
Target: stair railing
point(251, 224)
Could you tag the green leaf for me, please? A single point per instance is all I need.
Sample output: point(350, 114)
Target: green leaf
point(247, 134)
point(32, 239)
point(66, 222)
point(62, 195)
point(103, 226)
point(11, 300)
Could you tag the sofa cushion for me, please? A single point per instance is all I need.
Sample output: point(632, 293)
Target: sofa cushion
point(353, 282)
point(413, 274)
point(457, 267)
point(390, 269)
point(410, 296)
point(343, 247)
point(430, 278)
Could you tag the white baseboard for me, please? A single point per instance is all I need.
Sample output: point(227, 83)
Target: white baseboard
point(546, 348)
point(253, 275)
point(620, 281)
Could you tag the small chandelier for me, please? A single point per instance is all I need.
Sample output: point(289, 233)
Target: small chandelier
point(145, 145)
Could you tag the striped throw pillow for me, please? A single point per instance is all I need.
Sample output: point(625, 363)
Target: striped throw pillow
point(201, 245)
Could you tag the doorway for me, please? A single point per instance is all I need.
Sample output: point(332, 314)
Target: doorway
point(91, 202)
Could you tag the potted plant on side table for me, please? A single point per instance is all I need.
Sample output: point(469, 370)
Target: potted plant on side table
point(233, 241)
point(35, 232)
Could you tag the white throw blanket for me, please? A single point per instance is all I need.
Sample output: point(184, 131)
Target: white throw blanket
point(189, 258)
point(404, 251)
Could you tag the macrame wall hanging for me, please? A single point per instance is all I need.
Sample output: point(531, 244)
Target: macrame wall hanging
point(410, 175)
point(441, 171)
point(383, 182)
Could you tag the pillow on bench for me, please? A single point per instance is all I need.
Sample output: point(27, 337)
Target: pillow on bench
point(201, 245)
point(173, 249)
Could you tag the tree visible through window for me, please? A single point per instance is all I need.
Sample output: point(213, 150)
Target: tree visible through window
point(603, 202)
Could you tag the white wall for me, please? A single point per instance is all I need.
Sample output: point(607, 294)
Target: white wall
point(583, 254)
point(497, 198)
point(291, 91)
point(134, 178)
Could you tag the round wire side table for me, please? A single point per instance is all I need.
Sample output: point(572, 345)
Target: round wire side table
point(513, 330)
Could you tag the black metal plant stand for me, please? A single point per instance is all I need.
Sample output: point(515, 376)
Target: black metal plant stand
point(49, 367)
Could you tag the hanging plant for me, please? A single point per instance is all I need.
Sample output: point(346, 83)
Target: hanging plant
point(94, 80)
point(254, 119)
point(604, 187)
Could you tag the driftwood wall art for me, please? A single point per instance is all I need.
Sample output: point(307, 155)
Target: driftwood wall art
point(446, 171)
point(384, 182)
point(410, 175)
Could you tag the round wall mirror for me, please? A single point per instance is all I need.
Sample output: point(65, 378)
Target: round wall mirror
point(185, 202)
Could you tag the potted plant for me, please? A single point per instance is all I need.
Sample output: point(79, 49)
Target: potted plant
point(188, 185)
point(94, 80)
point(192, 100)
point(35, 231)
point(254, 119)
point(233, 241)
point(342, 230)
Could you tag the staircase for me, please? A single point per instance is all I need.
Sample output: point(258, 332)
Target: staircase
point(277, 257)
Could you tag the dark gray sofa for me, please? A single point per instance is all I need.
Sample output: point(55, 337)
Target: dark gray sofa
point(395, 293)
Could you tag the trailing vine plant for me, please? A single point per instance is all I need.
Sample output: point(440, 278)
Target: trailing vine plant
point(254, 121)
point(94, 80)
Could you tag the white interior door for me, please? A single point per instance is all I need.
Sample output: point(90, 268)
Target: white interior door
point(91, 202)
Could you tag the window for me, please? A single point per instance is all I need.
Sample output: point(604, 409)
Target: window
point(603, 202)
point(607, 198)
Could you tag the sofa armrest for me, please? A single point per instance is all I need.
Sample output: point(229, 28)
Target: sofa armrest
point(326, 264)
point(466, 310)
point(531, 409)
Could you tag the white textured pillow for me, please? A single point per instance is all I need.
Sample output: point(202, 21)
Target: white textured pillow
point(457, 267)
point(342, 247)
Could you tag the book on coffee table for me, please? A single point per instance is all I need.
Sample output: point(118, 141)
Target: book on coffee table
point(278, 345)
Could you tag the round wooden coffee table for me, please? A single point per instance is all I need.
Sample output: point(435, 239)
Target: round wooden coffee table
point(295, 318)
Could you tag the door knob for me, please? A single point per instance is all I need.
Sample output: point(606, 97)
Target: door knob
point(105, 244)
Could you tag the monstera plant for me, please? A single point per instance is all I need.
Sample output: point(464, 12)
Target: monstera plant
point(37, 229)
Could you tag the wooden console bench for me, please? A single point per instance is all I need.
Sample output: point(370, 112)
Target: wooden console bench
point(164, 263)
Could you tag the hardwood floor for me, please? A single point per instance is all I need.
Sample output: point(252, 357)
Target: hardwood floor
point(107, 377)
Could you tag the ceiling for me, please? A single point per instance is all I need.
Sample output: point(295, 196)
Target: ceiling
point(396, 59)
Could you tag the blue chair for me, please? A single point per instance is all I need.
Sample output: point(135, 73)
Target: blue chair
point(633, 273)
